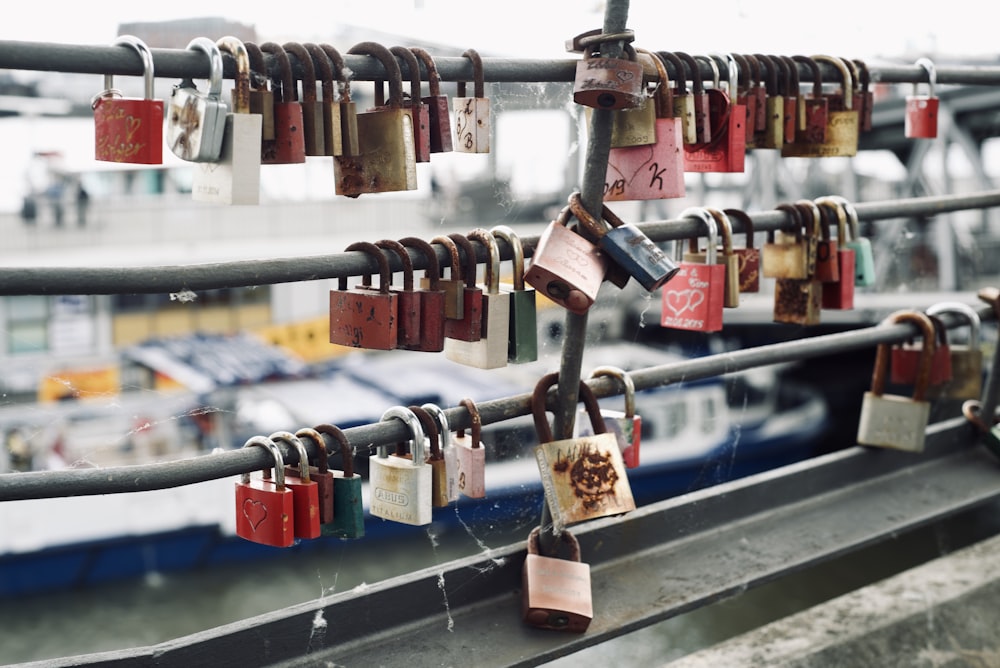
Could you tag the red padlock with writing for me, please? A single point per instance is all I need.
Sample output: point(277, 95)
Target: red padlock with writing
point(129, 129)
point(694, 297)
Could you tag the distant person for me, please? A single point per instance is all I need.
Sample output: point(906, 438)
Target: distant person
point(29, 210)
point(82, 204)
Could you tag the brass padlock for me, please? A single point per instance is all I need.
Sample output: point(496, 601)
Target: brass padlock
point(774, 106)
point(966, 360)
point(625, 425)
point(555, 593)
point(348, 110)
point(261, 98)
point(799, 301)
point(748, 257)
point(418, 111)
point(842, 124)
point(472, 114)
point(790, 257)
point(731, 292)
point(447, 451)
point(891, 421)
point(333, 143)
point(435, 456)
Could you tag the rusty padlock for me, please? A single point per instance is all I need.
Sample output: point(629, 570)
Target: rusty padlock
point(360, 317)
point(418, 111)
point(289, 144)
point(606, 83)
point(432, 299)
point(439, 116)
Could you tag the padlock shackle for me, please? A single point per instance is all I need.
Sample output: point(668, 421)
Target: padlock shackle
point(714, 66)
point(769, 74)
point(492, 277)
point(456, 261)
point(791, 76)
point(346, 451)
point(322, 456)
point(241, 90)
point(834, 207)
point(516, 251)
point(928, 65)
point(476, 419)
point(818, 230)
point(324, 72)
point(384, 274)
point(279, 463)
point(471, 262)
point(148, 71)
point(290, 439)
point(478, 80)
point(965, 310)
point(404, 258)
point(680, 77)
point(431, 433)
point(796, 215)
point(747, 222)
point(664, 93)
point(283, 86)
point(713, 232)
point(538, 397)
point(391, 67)
point(725, 229)
point(855, 74)
point(756, 71)
point(863, 74)
point(817, 74)
point(628, 385)
point(412, 422)
point(744, 73)
point(847, 82)
point(728, 60)
point(693, 72)
point(433, 78)
point(308, 72)
point(566, 537)
point(208, 47)
point(340, 72)
point(581, 213)
point(433, 270)
point(882, 354)
point(258, 70)
point(441, 421)
point(851, 213)
point(413, 71)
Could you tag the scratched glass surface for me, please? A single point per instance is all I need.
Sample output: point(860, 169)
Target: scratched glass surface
point(67, 398)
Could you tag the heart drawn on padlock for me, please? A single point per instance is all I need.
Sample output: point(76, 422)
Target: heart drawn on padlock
point(132, 125)
point(255, 512)
point(686, 300)
point(642, 166)
point(624, 75)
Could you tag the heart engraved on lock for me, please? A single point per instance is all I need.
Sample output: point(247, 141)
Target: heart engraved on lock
point(255, 512)
point(687, 300)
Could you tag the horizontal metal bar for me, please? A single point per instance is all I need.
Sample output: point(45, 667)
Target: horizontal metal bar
point(181, 63)
point(655, 563)
point(146, 477)
point(165, 279)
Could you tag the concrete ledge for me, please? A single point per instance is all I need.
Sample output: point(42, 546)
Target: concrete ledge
point(943, 613)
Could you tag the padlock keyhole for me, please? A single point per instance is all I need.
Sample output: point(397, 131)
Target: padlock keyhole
point(606, 100)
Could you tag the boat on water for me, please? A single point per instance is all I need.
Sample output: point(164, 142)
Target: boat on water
point(695, 434)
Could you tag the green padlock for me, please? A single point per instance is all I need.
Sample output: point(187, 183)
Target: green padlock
point(864, 258)
point(348, 509)
point(522, 338)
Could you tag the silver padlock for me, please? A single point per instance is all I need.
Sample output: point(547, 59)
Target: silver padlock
point(401, 486)
point(196, 122)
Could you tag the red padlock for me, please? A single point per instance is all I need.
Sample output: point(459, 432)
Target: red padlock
point(320, 474)
point(694, 297)
point(727, 150)
point(305, 491)
point(129, 129)
point(827, 263)
point(264, 509)
point(922, 110)
point(839, 295)
point(432, 300)
point(408, 302)
point(470, 327)
point(453, 286)
point(362, 318)
point(289, 145)
point(439, 115)
point(816, 106)
point(748, 258)
point(905, 361)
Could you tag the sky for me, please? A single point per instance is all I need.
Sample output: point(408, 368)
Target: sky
point(529, 28)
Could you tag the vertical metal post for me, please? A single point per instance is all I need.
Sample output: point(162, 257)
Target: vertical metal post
point(592, 196)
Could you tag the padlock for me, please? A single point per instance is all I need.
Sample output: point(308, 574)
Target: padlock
point(129, 129)
point(348, 505)
point(261, 98)
point(431, 297)
point(866, 95)
point(922, 110)
point(774, 106)
point(857, 99)
point(731, 292)
point(789, 74)
point(748, 258)
point(333, 143)
point(490, 351)
point(892, 421)
point(839, 295)
point(650, 171)
point(821, 263)
point(522, 336)
point(447, 450)
point(607, 83)
point(401, 487)
point(386, 161)
point(790, 257)
point(438, 113)
point(626, 426)
point(555, 593)
point(472, 114)
point(454, 286)
point(235, 178)
point(693, 299)
point(305, 492)
point(348, 110)
point(813, 130)
point(566, 268)
point(702, 118)
point(319, 474)
point(799, 301)
point(988, 434)
point(361, 318)
point(264, 509)
point(904, 364)
point(756, 97)
point(627, 246)
point(435, 457)
point(196, 121)
point(680, 98)
point(727, 150)
point(408, 313)
point(584, 478)
point(470, 326)
point(966, 360)
point(313, 134)
point(289, 144)
point(842, 122)
point(470, 455)
point(745, 94)
point(634, 127)
point(418, 111)
point(864, 257)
